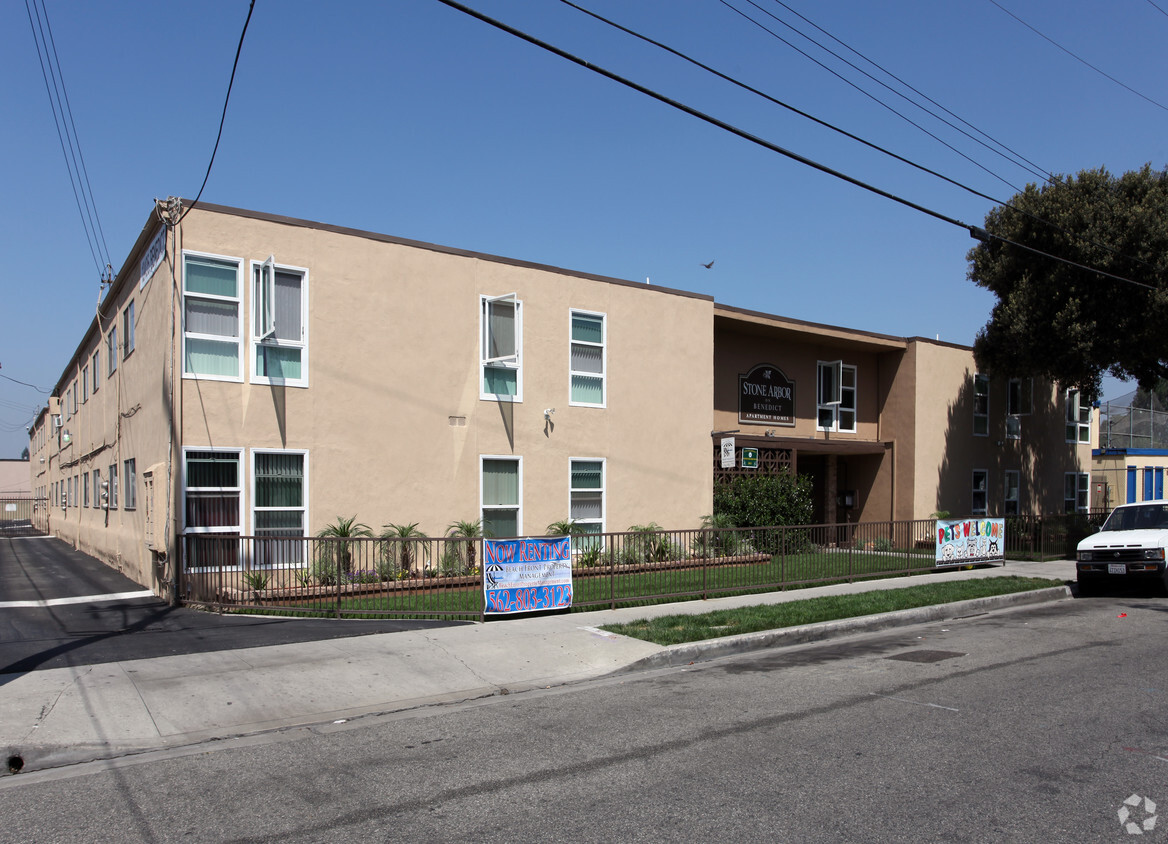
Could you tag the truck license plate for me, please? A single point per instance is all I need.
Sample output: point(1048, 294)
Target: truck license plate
point(1116, 568)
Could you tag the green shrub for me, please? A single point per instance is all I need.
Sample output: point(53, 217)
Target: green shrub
point(764, 501)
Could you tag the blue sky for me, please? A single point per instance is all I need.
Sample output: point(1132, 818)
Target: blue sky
point(412, 119)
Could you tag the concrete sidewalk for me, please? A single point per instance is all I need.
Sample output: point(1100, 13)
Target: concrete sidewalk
point(65, 716)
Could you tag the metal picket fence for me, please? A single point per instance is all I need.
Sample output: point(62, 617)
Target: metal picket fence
point(427, 577)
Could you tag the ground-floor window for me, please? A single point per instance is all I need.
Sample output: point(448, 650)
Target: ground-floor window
point(1076, 486)
point(1012, 490)
point(130, 477)
point(212, 505)
point(586, 498)
point(279, 493)
point(502, 496)
point(980, 488)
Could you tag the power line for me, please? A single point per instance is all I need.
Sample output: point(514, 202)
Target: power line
point(1038, 170)
point(223, 117)
point(1079, 58)
point(845, 133)
point(974, 231)
point(1157, 8)
point(70, 143)
point(871, 96)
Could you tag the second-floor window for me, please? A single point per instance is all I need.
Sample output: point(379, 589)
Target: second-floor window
point(836, 389)
point(501, 347)
point(587, 359)
point(128, 330)
point(1078, 418)
point(279, 336)
point(211, 317)
point(1019, 402)
point(981, 406)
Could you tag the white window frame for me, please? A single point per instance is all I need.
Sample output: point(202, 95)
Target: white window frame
point(84, 489)
point(239, 524)
point(130, 484)
point(984, 491)
point(218, 338)
point(96, 369)
point(128, 330)
point(513, 361)
point(1016, 498)
point(263, 321)
point(984, 416)
point(835, 401)
point(85, 383)
point(602, 345)
point(603, 490)
point(1082, 488)
point(1023, 405)
point(519, 507)
point(253, 508)
point(100, 497)
point(1078, 418)
point(113, 486)
point(111, 350)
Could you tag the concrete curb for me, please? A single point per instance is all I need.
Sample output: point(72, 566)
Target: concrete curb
point(690, 652)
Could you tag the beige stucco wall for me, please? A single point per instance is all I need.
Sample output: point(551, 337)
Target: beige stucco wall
point(126, 418)
point(392, 419)
point(947, 451)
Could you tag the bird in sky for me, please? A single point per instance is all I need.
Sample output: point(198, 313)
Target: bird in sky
point(707, 266)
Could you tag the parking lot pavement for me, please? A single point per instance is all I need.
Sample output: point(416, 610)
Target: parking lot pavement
point(60, 608)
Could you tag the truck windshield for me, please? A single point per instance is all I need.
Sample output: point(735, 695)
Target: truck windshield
point(1143, 517)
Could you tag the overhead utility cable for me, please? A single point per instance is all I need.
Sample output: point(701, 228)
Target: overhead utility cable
point(1157, 8)
point(223, 117)
point(871, 96)
point(67, 134)
point(1017, 155)
point(1080, 58)
point(844, 132)
point(974, 231)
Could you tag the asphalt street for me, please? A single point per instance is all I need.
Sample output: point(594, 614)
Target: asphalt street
point(61, 608)
point(1036, 724)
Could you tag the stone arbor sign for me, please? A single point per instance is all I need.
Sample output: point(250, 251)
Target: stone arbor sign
point(766, 397)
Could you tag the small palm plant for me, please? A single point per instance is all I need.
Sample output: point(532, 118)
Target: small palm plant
point(404, 545)
point(469, 532)
point(335, 557)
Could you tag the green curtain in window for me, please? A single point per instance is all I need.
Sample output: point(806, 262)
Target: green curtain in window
point(279, 480)
point(205, 275)
point(501, 483)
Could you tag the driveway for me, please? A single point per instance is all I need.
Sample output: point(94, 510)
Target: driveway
point(60, 607)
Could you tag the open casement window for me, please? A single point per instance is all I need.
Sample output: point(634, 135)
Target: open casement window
point(501, 329)
point(836, 395)
point(1078, 418)
point(212, 500)
point(502, 496)
point(279, 305)
point(279, 505)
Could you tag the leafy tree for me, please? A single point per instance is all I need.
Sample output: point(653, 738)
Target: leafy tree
point(1063, 322)
point(24, 454)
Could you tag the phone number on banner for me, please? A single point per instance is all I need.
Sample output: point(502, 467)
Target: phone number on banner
point(530, 598)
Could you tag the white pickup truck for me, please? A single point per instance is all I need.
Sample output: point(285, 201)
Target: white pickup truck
point(1129, 548)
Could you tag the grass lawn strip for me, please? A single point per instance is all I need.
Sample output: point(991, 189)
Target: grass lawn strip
point(677, 629)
